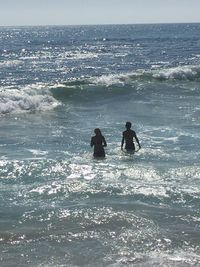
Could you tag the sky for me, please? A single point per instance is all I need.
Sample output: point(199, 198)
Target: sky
point(87, 12)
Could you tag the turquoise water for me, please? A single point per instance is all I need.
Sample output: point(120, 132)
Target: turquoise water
point(61, 207)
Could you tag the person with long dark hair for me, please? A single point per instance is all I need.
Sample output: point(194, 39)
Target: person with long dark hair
point(98, 142)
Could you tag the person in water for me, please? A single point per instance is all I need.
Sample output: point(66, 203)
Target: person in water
point(99, 142)
point(129, 136)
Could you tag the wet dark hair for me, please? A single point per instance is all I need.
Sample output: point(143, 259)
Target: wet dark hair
point(97, 131)
point(128, 124)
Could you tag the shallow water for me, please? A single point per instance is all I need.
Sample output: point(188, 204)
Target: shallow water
point(61, 207)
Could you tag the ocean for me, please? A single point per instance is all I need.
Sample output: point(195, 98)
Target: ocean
point(59, 205)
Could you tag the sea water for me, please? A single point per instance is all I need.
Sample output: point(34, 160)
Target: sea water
point(60, 206)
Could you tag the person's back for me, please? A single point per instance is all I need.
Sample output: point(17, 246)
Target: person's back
point(99, 142)
point(129, 136)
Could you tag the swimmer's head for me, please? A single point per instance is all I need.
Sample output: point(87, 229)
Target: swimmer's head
point(128, 125)
point(97, 131)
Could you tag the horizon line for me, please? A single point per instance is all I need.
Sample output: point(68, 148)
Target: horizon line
point(97, 24)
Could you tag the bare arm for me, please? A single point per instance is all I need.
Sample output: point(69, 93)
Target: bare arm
point(122, 143)
point(104, 142)
point(91, 142)
point(137, 140)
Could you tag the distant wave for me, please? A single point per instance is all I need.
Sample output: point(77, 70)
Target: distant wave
point(29, 99)
point(190, 73)
point(180, 73)
point(78, 87)
point(10, 63)
point(41, 97)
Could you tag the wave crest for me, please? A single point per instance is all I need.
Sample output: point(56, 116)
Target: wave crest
point(190, 73)
point(29, 99)
point(180, 73)
point(10, 63)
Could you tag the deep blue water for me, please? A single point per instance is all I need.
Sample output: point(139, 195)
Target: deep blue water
point(61, 207)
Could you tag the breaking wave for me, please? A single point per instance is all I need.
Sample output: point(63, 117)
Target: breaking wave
point(131, 79)
point(180, 73)
point(190, 73)
point(41, 97)
point(29, 99)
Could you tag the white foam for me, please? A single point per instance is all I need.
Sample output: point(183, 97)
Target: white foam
point(179, 73)
point(77, 55)
point(31, 98)
point(10, 63)
point(189, 72)
point(37, 152)
point(108, 80)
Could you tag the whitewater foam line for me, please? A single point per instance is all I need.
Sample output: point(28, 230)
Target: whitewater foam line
point(180, 73)
point(28, 99)
point(190, 73)
point(11, 63)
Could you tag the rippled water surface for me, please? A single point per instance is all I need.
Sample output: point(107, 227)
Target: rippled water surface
point(61, 207)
